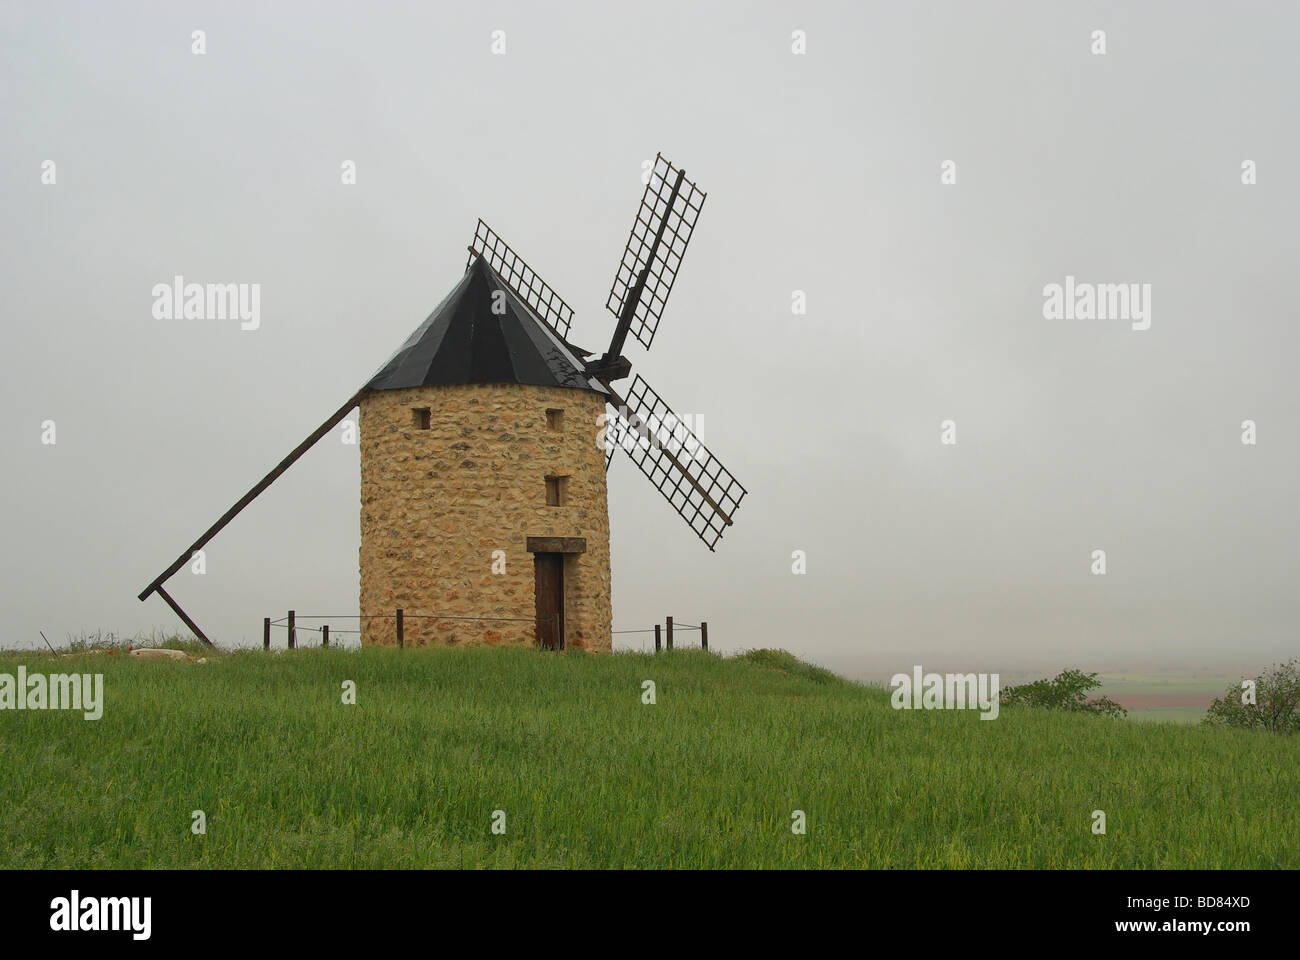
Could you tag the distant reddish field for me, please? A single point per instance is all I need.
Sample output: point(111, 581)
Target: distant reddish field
point(1148, 701)
point(1171, 695)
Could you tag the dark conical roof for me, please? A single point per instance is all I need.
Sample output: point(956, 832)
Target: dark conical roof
point(464, 341)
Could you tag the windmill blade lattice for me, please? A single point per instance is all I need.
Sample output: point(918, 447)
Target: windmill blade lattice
point(683, 469)
point(664, 222)
point(522, 279)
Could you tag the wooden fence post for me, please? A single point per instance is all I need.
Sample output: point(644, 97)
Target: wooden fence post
point(400, 640)
point(669, 633)
point(704, 634)
point(657, 647)
point(266, 633)
point(325, 635)
point(293, 636)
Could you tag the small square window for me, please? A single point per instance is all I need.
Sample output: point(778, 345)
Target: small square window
point(421, 417)
point(555, 491)
point(554, 419)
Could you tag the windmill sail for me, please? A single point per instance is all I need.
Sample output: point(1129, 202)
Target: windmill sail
point(522, 279)
point(664, 222)
point(702, 491)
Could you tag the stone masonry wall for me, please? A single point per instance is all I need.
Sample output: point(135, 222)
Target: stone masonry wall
point(436, 504)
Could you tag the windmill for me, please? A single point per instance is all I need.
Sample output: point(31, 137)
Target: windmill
point(494, 363)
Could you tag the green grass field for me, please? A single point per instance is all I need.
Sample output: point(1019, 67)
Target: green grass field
point(589, 776)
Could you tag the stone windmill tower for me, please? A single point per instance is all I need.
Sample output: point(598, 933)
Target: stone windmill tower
point(482, 484)
point(485, 442)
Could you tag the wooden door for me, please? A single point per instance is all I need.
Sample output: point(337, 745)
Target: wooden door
point(548, 570)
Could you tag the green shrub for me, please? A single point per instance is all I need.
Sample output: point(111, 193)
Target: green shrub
point(1068, 691)
point(1275, 706)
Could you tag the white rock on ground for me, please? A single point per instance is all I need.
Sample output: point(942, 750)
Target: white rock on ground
point(156, 653)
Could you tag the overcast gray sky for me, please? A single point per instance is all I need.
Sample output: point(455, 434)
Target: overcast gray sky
point(823, 170)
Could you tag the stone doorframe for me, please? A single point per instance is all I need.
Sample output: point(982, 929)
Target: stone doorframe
point(556, 544)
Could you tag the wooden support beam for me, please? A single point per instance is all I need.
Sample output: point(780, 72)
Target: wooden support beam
point(325, 635)
point(266, 633)
point(252, 494)
point(176, 609)
point(293, 633)
point(400, 635)
point(657, 646)
point(669, 633)
point(608, 368)
point(704, 634)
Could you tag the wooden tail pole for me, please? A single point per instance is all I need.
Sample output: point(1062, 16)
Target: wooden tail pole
point(400, 635)
point(266, 633)
point(185, 618)
point(657, 646)
point(669, 633)
point(704, 634)
point(245, 500)
point(293, 633)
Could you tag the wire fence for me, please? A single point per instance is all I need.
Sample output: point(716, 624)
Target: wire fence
point(292, 624)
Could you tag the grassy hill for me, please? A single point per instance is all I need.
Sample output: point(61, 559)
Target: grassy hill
point(589, 776)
